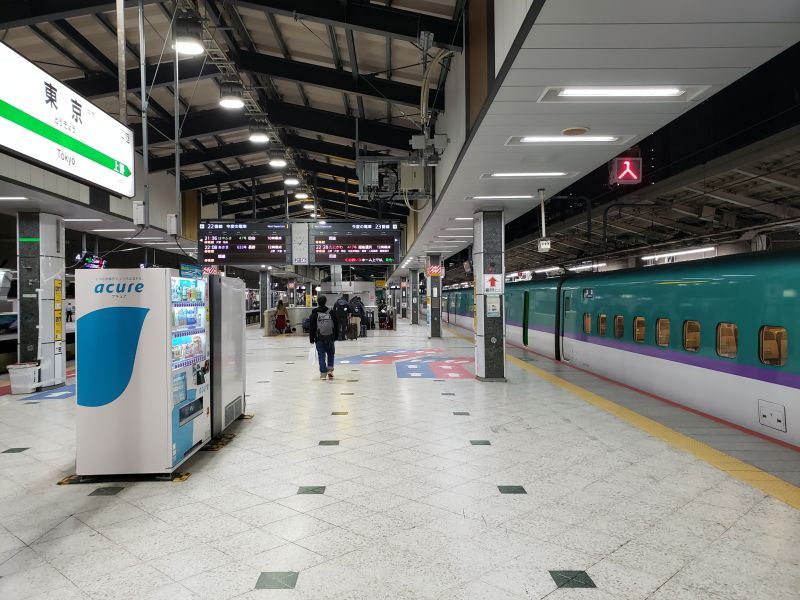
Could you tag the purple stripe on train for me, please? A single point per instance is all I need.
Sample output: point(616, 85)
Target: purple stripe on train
point(704, 362)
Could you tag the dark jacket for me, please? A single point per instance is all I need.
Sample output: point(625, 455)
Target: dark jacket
point(341, 309)
point(357, 307)
point(312, 329)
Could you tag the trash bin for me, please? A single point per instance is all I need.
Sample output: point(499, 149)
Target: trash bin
point(24, 377)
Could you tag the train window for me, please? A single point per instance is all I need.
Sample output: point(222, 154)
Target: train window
point(691, 335)
point(601, 324)
point(587, 323)
point(662, 332)
point(773, 345)
point(727, 339)
point(619, 326)
point(638, 329)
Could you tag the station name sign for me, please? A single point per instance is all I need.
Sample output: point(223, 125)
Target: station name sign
point(44, 121)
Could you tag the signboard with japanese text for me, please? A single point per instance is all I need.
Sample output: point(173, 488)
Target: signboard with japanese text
point(492, 284)
point(349, 242)
point(43, 120)
point(243, 243)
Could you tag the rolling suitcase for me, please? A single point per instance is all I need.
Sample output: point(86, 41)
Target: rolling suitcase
point(352, 331)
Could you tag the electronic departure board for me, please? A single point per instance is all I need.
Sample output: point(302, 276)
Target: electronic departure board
point(355, 243)
point(243, 243)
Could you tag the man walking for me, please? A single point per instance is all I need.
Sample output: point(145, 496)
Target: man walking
point(323, 328)
point(357, 313)
point(341, 308)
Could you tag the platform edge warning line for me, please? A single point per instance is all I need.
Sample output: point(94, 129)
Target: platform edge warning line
point(738, 469)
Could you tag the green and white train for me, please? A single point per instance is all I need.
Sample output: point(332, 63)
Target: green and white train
point(717, 336)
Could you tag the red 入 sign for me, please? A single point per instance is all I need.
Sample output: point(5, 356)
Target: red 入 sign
point(627, 170)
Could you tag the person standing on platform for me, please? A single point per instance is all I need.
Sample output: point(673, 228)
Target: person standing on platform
point(342, 310)
point(281, 318)
point(323, 327)
point(357, 312)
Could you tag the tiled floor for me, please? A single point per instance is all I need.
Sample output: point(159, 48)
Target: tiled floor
point(411, 508)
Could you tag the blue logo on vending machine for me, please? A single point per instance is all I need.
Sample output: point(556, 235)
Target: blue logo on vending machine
point(108, 340)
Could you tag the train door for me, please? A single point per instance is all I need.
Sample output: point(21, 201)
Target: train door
point(448, 304)
point(567, 323)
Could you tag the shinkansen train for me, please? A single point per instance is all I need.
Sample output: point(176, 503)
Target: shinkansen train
point(718, 336)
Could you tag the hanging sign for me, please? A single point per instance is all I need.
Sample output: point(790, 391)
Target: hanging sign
point(58, 319)
point(627, 170)
point(544, 245)
point(45, 121)
point(492, 284)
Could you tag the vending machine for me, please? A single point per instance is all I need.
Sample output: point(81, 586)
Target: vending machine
point(143, 371)
point(228, 297)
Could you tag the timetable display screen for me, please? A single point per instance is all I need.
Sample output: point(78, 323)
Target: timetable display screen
point(355, 243)
point(231, 243)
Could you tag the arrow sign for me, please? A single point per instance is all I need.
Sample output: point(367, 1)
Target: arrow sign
point(493, 284)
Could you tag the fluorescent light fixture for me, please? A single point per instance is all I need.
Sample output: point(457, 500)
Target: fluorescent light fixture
point(557, 139)
point(450, 237)
point(520, 197)
point(464, 219)
point(308, 207)
point(231, 95)
point(680, 253)
point(530, 174)
point(302, 196)
point(291, 181)
point(586, 267)
point(82, 220)
point(167, 249)
point(622, 92)
point(13, 198)
point(112, 230)
point(547, 270)
point(128, 249)
point(457, 229)
point(158, 244)
point(145, 238)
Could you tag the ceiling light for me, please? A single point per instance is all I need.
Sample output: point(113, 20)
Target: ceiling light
point(291, 181)
point(231, 95)
point(144, 238)
point(323, 222)
point(269, 268)
point(307, 206)
point(158, 244)
point(457, 229)
point(164, 249)
point(547, 270)
point(586, 267)
point(259, 133)
point(82, 220)
point(112, 230)
point(464, 219)
point(263, 266)
point(450, 237)
point(581, 139)
point(527, 197)
point(13, 198)
point(301, 195)
point(622, 92)
point(531, 174)
point(276, 158)
point(188, 34)
point(313, 215)
point(679, 253)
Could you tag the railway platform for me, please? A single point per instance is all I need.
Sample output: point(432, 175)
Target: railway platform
point(406, 478)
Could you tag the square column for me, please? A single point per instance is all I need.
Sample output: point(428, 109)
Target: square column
point(434, 270)
point(40, 275)
point(489, 259)
point(403, 297)
point(414, 277)
point(264, 293)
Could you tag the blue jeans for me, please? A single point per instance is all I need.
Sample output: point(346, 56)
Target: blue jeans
point(325, 349)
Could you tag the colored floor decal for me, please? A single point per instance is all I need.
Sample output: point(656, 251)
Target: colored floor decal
point(62, 393)
point(387, 357)
point(436, 367)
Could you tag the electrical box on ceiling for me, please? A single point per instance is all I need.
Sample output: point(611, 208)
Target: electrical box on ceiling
point(412, 177)
point(368, 174)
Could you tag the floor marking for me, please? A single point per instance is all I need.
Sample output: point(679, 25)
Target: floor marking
point(738, 469)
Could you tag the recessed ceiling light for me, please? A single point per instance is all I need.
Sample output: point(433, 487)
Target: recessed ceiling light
point(13, 198)
point(520, 197)
point(577, 139)
point(464, 219)
point(82, 220)
point(622, 92)
point(530, 174)
point(112, 230)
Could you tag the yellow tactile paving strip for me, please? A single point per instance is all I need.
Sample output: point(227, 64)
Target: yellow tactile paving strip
point(766, 482)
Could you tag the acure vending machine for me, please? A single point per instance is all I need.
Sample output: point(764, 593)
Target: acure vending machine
point(142, 371)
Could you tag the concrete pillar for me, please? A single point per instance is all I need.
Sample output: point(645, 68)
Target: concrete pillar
point(404, 297)
point(292, 289)
point(264, 292)
point(414, 284)
point(40, 289)
point(435, 295)
point(489, 259)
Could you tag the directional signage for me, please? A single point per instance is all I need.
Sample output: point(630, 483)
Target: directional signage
point(46, 122)
point(627, 170)
point(493, 284)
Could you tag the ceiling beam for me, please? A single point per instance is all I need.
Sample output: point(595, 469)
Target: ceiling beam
point(321, 147)
point(316, 166)
point(16, 13)
point(780, 211)
point(773, 178)
point(367, 17)
point(108, 85)
point(336, 79)
point(213, 179)
point(218, 120)
point(76, 37)
point(272, 187)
